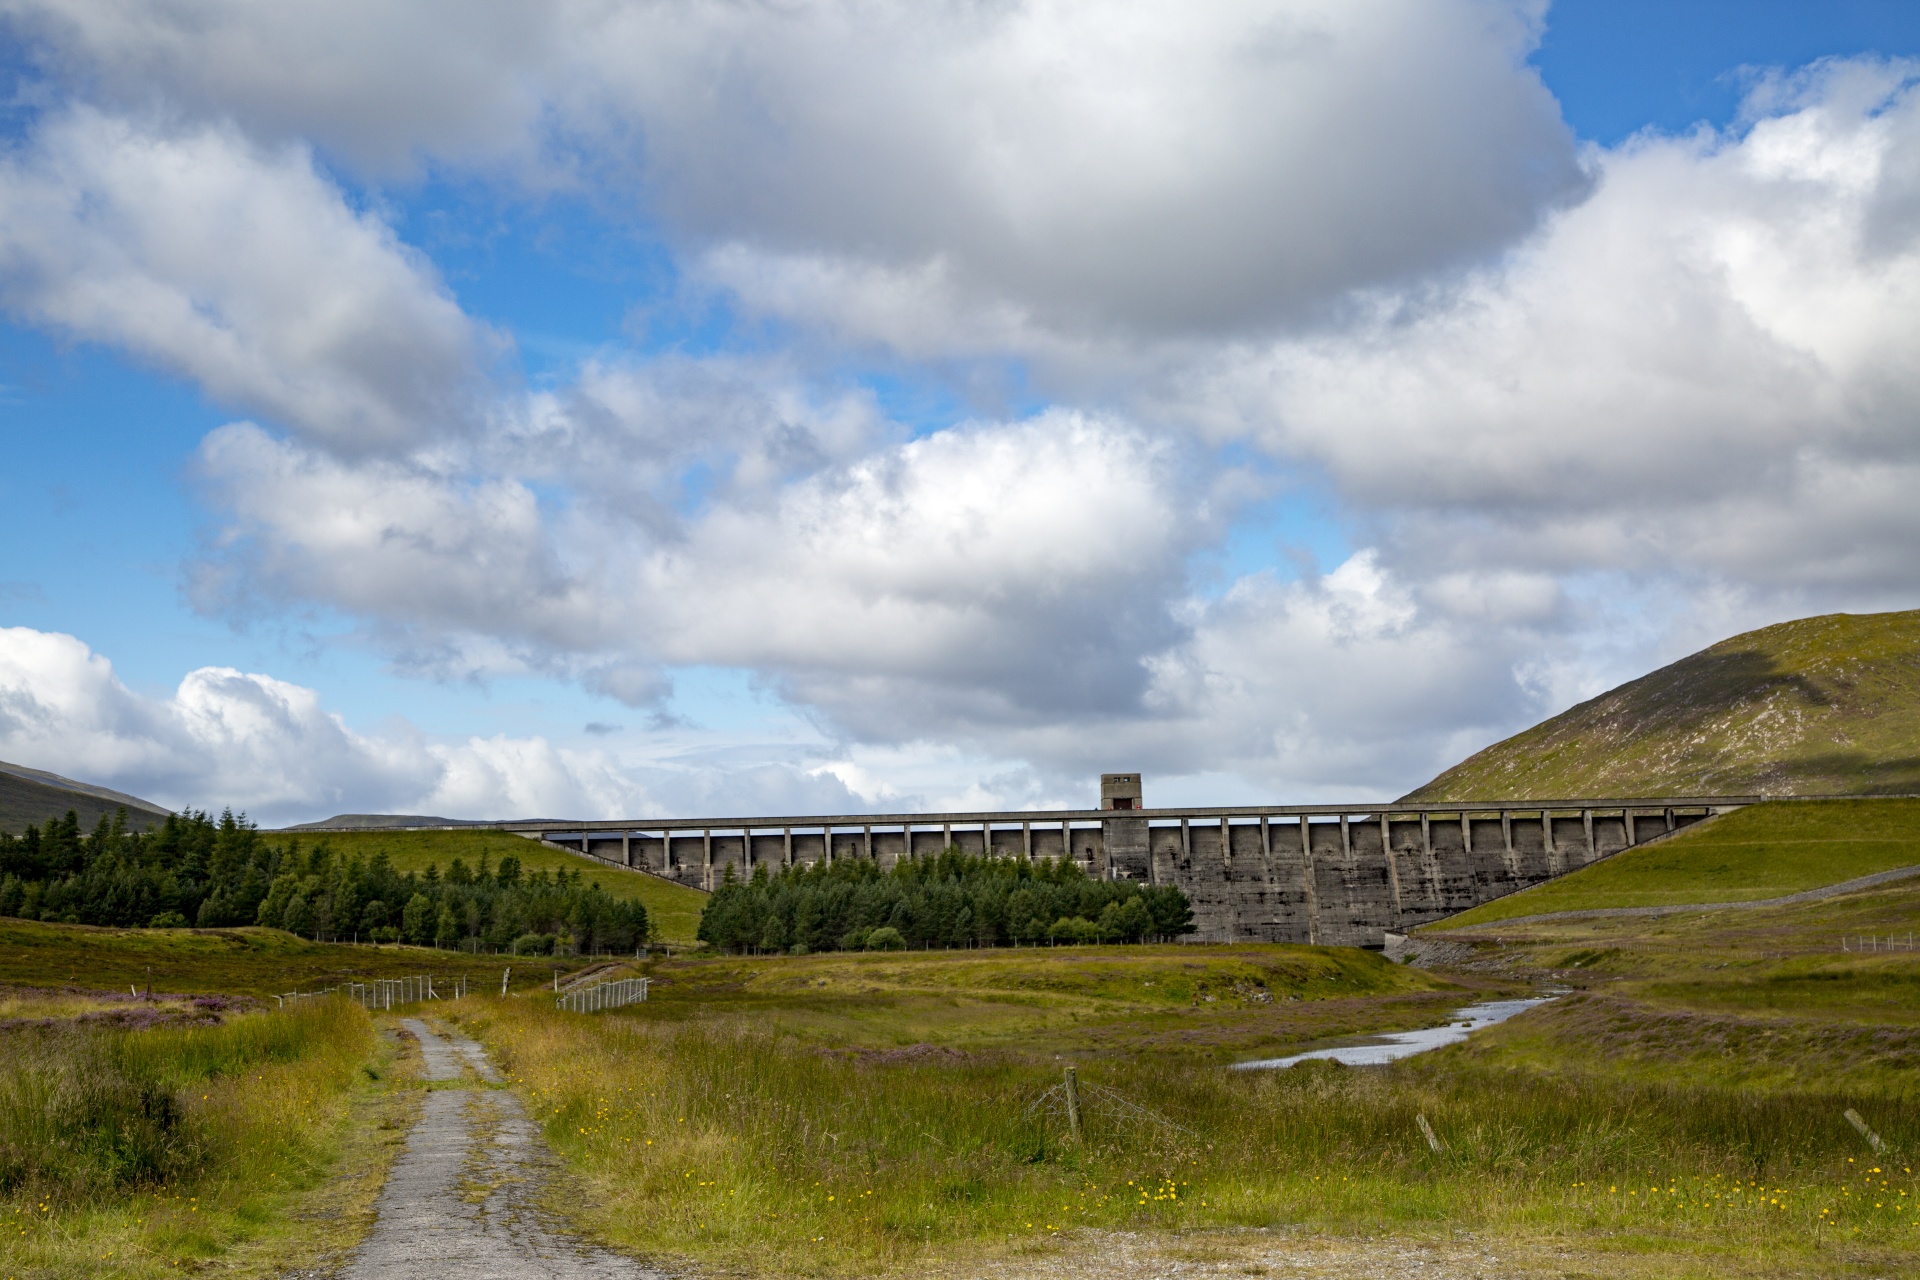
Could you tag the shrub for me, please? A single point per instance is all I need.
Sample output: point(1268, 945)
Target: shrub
point(533, 944)
point(886, 938)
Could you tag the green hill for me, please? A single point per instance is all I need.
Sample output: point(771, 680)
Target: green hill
point(1821, 706)
point(673, 908)
point(28, 797)
point(1761, 851)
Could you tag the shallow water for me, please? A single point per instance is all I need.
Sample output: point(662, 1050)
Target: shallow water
point(1379, 1050)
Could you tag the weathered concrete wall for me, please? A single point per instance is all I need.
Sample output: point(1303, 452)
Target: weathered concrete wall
point(1341, 879)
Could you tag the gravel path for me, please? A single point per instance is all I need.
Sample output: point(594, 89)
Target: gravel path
point(461, 1202)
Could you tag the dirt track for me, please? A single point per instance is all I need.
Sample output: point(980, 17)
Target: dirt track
point(461, 1202)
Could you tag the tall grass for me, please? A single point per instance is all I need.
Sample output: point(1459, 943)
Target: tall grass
point(164, 1146)
point(723, 1141)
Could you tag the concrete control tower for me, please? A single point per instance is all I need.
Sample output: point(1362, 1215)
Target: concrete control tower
point(1120, 791)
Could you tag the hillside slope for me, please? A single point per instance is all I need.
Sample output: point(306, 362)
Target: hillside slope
point(1758, 852)
point(674, 908)
point(31, 796)
point(1821, 706)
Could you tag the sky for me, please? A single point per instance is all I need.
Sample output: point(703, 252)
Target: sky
point(683, 408)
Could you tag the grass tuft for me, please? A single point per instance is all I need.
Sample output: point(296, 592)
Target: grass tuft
point(136, 1152)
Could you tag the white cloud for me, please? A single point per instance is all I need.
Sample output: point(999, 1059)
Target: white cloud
point(271, 749)
point(382, 85)
point(1706, 369)
point(1091, 165)
point(398, 540)
point(239, 267)
point(1017, 566)
point(1643, 393)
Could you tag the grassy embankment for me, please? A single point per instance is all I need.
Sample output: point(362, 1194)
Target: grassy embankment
point(1762, 851)
point(842, 1115)
point(135, 1153)
point(673, 909)
point(1762, 999)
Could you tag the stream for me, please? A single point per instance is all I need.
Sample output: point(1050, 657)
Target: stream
point(1379, 1050)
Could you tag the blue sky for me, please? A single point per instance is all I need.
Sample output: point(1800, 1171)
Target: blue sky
point(826, 449)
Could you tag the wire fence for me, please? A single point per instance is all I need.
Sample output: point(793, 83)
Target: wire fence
point(603, 995)
point(1077, 1102)
point(1874, 942)
point(384, 993)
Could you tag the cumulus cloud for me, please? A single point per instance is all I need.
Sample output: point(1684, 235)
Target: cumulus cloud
point(382, 85)
point(270, 748)
point(1704, 369)
point(1023, 566)
point(1144, 167)
point(1089, 165)
point(1560, 398)
point(239, 267)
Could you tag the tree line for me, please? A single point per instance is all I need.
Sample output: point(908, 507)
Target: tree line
point(196, 870)
point(946, 900)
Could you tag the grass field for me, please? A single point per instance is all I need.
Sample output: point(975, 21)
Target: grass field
point(1218, 1003)
point(674, 909)
point(1679, 1111)
point(866, 1115)
point(144, 1153)
point(258, 963)
point(1762, 851)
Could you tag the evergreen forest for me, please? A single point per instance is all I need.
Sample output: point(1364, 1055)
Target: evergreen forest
point(196, 870)
point(947, 900)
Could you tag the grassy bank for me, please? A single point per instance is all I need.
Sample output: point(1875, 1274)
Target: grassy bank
point(254, 962)
point(1762, 851)
point(673, 908)
point(1774, 966)
point(141, 1152)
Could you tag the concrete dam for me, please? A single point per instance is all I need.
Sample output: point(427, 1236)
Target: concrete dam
point(1336, 875)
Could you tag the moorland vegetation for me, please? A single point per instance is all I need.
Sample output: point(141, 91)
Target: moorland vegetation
point(195, 870)
point(951, 899)
point(1818, 706)
point(148, 1148)
point(1680, 1110)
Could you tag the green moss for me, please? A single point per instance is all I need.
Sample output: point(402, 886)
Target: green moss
point(1821, 706)
point(1761, 851)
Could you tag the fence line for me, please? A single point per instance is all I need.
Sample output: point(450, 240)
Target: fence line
point(1872, 942)
point(604, 995)
point(385, 993)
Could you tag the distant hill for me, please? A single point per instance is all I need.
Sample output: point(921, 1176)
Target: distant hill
point(28, 797)
point(348, 821)
point(1821, 706)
